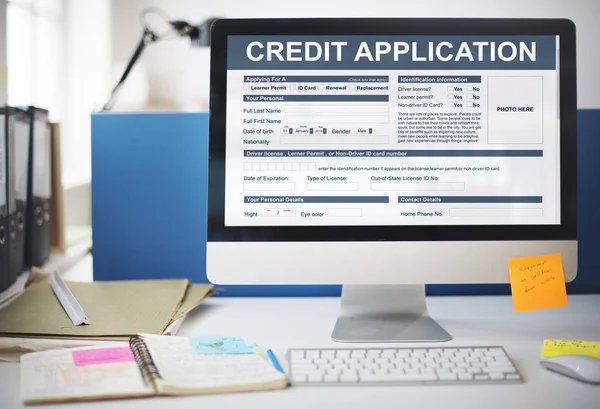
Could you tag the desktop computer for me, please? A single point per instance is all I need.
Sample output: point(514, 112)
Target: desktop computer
point(386, 154)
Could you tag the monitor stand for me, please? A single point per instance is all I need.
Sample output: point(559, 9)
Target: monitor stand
point(386, 313)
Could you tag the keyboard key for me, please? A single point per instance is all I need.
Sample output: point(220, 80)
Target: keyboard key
point(448, 376)
point(481, 377)
point(299, 378)
point(492, 369)
point(315, 377)
point(496, 376)
point(413, 377)
point(349, 377)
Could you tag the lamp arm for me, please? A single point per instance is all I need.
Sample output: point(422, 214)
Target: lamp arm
point(147, 37)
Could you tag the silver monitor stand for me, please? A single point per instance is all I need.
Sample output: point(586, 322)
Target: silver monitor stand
point(386, 313)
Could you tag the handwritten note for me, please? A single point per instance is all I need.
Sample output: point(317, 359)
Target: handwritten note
point(553, 347)
point(102, 356)
point(537, 282)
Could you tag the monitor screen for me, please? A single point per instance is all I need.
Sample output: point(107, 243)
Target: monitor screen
point(392, 130)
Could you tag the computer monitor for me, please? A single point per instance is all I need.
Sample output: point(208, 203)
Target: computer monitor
point(386, 154)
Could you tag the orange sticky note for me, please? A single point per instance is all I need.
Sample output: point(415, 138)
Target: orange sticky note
point(537, 282)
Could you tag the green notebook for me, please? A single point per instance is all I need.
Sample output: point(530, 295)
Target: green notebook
point(116, 308)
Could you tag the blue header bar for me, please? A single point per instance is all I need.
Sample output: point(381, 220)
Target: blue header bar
point(439, 79)
point(470, 199)
point(316, 98)
point(316, 199)
point(405, 52)
point(316, 78)
point(394, 153)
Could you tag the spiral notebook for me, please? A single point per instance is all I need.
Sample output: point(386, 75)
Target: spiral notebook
point(149, 365)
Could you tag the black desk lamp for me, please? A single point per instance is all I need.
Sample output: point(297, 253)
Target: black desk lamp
point(199, 36)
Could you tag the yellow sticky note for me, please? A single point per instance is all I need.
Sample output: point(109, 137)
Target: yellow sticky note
point(537, 282)
point(553, 347)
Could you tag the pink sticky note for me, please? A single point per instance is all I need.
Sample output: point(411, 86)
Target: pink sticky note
point(102, 356)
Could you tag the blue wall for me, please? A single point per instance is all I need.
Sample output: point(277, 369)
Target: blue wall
point(148, 219)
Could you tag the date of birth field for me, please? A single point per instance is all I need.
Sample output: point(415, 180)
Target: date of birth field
point(280, 166)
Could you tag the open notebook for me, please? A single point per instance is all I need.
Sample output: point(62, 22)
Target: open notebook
point(149, 365)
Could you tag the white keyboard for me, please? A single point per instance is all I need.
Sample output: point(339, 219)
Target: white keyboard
point(375, 366)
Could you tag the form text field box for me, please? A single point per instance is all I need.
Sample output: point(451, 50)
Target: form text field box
point(418, 186)
point(496, 212)
point(344, 212)
point(337, 109)
point(331, 186)
point(335, 119)
point(279, 166)
point(277, 212)
point(322, 140)
point(269, 186)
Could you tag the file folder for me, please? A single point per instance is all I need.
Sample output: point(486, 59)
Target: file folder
point(37, 246)
point(5, 281)
point(18, 177)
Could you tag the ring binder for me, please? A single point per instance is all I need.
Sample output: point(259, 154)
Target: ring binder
point(144, 360)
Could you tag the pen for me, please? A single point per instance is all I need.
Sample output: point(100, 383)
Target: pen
point(274, 361)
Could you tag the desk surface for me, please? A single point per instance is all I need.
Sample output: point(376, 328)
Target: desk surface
point(281, 323)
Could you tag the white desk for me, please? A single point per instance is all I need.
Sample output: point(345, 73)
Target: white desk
point(281, 323)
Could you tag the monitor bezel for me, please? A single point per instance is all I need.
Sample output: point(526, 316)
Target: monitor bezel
point(221, 29)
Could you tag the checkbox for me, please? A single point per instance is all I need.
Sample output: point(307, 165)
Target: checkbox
point(351, 87)
point(451, 97)
point(320, 86)
point(469, 96)
point(450, 87)
point(246, 86)
point(469, 105)
point(292, 86)
point(469, 88)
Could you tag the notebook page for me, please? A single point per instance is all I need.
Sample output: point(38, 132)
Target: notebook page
point(186, 371)
point(81, 374)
